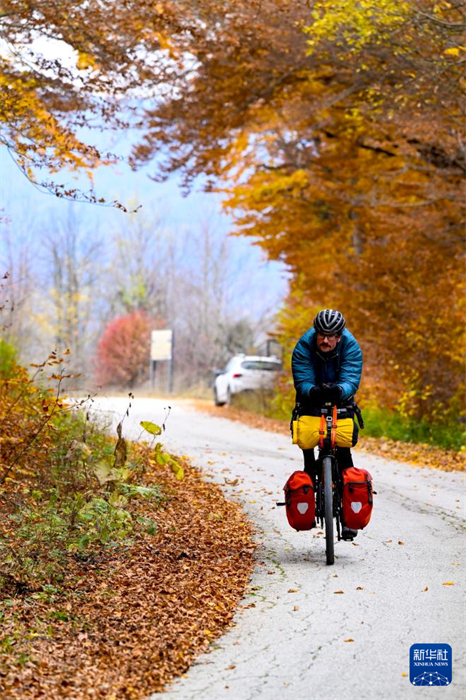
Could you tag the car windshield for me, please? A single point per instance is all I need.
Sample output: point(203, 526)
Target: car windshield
point(261, 364)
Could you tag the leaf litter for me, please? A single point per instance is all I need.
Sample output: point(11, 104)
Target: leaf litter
point(132, 617)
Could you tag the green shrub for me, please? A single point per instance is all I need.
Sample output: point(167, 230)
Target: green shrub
point(8, 358)
point(383, 423)
point(103, 522)
point(81, 502)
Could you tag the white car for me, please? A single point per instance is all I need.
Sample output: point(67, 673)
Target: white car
point(245, 373)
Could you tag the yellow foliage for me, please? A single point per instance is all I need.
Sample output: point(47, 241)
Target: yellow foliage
point(85, 61)
point(355, 22)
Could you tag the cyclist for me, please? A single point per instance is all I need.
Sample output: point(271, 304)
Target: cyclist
point(327, 366)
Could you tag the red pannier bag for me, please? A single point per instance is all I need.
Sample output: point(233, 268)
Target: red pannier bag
point(357, 498)
point(300, 501)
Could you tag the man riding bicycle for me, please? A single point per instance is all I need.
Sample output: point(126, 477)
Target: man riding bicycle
point(327, 366)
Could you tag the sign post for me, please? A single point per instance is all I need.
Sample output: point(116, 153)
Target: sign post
point(161, 349)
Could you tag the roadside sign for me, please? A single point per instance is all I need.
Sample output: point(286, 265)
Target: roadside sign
point(161, 345)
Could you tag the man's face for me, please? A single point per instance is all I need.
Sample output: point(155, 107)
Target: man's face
point(326, 343)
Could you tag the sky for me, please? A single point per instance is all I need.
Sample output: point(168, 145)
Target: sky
point(30, 211)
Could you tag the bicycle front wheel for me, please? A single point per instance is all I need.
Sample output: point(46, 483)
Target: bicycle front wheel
point(328, 509)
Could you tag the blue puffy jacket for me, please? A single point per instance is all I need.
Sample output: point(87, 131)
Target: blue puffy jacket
point(342, 366)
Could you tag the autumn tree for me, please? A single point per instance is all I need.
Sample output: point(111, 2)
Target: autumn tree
point(66, 67)
point(204, 305)
point(72, 284)
point(17, 284)
point(372, 205)
point(347, 164)
point(123, 351)
point(336, 129)
point(196, 279)
point(137, 277)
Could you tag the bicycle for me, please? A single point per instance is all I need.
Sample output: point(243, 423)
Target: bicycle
point(329, 481)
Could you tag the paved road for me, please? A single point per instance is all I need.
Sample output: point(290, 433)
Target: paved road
point(291, 645)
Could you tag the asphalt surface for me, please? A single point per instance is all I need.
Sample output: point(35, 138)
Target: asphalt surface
point(290, 639)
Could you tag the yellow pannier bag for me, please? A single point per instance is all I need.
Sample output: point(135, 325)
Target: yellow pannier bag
point(306, 432)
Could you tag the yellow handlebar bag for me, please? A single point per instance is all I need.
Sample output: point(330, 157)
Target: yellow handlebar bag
point(306, 432)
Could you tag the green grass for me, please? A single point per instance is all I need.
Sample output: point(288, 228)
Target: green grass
point(380, 422)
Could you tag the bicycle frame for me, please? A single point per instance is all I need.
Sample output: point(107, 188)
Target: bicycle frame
point(329, 482)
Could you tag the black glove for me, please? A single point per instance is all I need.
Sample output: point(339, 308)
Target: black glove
point(331, 393)
point(316, 396)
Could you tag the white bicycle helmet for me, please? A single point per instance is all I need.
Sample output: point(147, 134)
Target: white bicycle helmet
point(329, 322)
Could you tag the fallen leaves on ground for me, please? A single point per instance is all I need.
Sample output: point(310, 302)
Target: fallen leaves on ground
point(133, 617)
point(415, 453)
point(254, 420)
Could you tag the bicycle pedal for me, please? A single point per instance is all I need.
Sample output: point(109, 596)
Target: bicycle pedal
point(348, 535)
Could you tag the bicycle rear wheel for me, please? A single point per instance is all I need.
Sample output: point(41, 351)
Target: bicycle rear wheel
point(328, 509)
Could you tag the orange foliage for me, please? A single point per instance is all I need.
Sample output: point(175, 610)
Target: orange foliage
point(27, 412)
point(338, 132)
